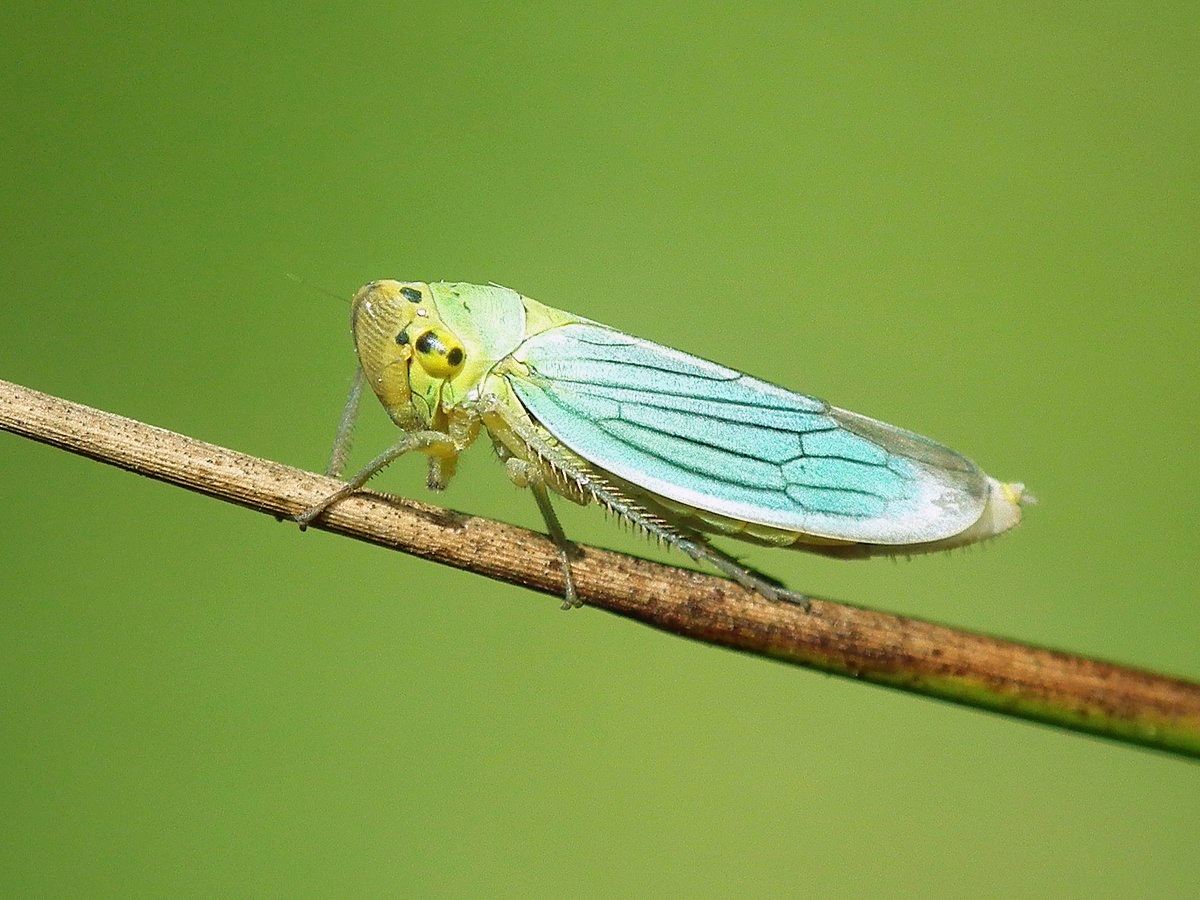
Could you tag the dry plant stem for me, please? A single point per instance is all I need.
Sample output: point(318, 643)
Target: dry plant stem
point(1069, 691)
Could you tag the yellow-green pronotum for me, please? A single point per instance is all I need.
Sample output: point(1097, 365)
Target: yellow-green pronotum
point(677, 445)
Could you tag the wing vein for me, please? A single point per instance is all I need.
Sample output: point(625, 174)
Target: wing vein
point(715, 440)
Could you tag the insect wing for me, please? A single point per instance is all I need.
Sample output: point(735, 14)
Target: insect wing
point(712, 438)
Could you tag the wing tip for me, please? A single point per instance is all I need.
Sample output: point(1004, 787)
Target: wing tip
point(1001, 512)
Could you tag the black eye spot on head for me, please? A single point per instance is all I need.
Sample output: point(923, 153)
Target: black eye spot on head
point(426, 343)
point(411, 294)
point(454, 357)
point(402, 337)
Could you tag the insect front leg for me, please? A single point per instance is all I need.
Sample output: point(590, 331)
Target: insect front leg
point(462, 427)
point(435, 442)
point(345, 430)
point(526, 474)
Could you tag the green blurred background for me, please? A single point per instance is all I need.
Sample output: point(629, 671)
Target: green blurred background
point(980, 221)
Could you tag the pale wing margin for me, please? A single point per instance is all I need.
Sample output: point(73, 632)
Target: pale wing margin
point(715, 439)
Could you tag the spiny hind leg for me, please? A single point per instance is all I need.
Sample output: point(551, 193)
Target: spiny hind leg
point(699, 549)
point(524, 474)
point(594, 486)
point(694, 545)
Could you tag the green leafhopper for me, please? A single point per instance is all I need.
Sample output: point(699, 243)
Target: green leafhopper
point(679, 446)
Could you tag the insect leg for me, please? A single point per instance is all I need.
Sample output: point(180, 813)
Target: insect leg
point(436, 441)
point(694, 545)
point(524, 474)
point(595, 486)
point(345, 429)
point(561, 541)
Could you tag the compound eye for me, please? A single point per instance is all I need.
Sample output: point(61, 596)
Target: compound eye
point(439, 352)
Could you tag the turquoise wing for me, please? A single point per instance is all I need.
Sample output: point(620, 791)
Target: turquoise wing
point(715, 439)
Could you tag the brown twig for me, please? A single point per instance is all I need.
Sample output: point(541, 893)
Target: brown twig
point(1073, 692)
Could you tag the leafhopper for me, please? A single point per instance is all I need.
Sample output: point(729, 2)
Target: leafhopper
point(678, 446)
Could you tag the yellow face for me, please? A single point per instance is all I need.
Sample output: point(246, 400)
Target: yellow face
point(405, 349)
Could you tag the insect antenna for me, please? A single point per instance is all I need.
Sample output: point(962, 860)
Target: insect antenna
point(317, 289)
